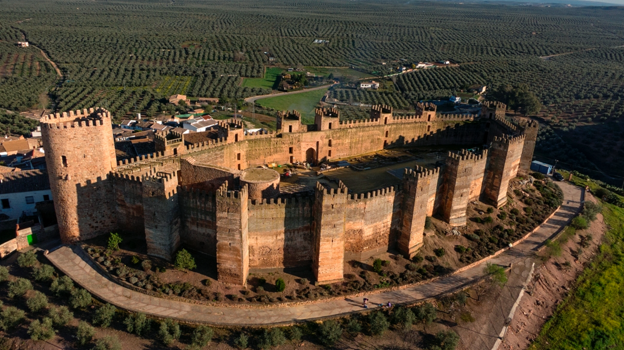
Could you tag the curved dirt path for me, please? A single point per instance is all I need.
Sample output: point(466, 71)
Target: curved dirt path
point(74, 262)
point(255, 98)
point(56, 68)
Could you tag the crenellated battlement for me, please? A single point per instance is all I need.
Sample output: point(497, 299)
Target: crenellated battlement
point(206, 145)
point(494, 105)
point(382, 109)
point(141, 158)
point(262, 134)
point(505, 123)
point(465, 155)
point(419, 172)
point(327, 112)
point(86, 117)
point(386, 191)
point(298, 201)
point(509, 140)
point(342, 189)
point(224, 192)
point(290, 115)
point(359, 123)
point(427, 106)
point(454, 117)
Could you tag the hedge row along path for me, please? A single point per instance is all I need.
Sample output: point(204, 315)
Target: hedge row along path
point(74, 262)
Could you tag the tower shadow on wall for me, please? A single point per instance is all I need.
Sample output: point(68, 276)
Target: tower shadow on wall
point(298, 237)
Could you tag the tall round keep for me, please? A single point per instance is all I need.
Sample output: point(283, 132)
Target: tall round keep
point(80, 153)
point(261, 183)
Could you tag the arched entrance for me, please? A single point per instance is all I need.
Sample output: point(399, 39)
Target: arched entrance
point(311, 155)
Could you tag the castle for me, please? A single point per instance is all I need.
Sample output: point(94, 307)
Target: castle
point(213, 197)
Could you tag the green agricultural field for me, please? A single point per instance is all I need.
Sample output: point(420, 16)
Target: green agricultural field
point(591, 317)
point(304, 102)
point(339, 72)
point(267, 82)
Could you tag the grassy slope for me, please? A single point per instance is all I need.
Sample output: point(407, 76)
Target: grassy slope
point(268, 81)
point(591, 317)
point(304, 102)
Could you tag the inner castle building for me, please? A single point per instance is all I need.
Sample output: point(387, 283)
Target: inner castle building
point(214, 198)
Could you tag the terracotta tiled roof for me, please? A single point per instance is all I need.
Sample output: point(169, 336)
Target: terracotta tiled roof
point(24, 181)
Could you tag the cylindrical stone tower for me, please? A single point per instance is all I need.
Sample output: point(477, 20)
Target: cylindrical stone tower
point(261, 183)
point(80, 153)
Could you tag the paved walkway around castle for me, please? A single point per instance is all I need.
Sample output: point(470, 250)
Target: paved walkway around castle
point(75, 263)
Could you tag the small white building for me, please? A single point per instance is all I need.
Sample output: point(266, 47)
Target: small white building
point(199, 125)
point(455, 99)
point(128, 124)
point(369, 85)
point(23, 44)
point(421, 65)
point(20, 191)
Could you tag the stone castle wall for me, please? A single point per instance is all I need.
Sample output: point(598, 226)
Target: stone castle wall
point(193, 194)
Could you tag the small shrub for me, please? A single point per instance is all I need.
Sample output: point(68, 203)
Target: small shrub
point(169, 331)
point(473, 237)
point(428, 223)
point(488, 219)
point(294, 334)
point(137, 323)
point(579, 223)
point(466, 316)
point(590, 210)
point(412, 267)
point(538, 176)
point(84, 333)
point(446, 340)
point(460, 249)
point(378, 323)
point(146, 265)
point(329, 332)
point(425, 313)
point(515, 211)
point(242, 341)
point(80, 298)
point(403, 318)
point(41, 330)
point(554, 247)
point(10, 318)
point(276, 337)
point(27, 259)
point(62, 286)
point(417, 259)
point(502, 215)
point(353, 326)
point(461, 297)
point(135, 259)
point(107, 343)
point(19, 287)
point(377, 265)
point(43, 273)
point(259, 289)
point(490, 210)
point(207, 282)
point(104, 315)
point(280, 285)
point(528, 210)
point(202, 335)
point(60, 316)
point(496, 273)
point(184, 260)
point(37, 302)
point(439, 252)
point(113, 241)
point(4, 274)
point(431, 258)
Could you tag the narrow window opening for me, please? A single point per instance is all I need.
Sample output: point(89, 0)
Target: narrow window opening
point(238, 156)
point(330, 126)
point(6, 204)
point(428, 128)
point(385, 120)
point(292, 159)
point(329, 143)
point(236, 138)
point(239, 167)
point(386, 133)
point(329, 153)
point(64, 160)
point(429, 118)
point(290, 150)
point(289, 128)
point(175, 151)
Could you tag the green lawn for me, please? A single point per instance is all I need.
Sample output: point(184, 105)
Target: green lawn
point(339, 72)
point(268, 81)
point(591, 316)
point(304, 102)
